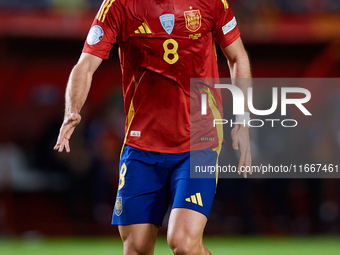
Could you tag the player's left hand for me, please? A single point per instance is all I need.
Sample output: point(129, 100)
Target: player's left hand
point(241, 143)
point(71, 120)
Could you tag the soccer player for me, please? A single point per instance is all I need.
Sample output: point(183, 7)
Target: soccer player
point(163, 43)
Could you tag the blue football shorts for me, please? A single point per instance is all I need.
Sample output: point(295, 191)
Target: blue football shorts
point(150, 182)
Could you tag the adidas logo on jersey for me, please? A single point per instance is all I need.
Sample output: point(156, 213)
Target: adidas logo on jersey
point(135, 133)
point(196, 199)
point(143, 29)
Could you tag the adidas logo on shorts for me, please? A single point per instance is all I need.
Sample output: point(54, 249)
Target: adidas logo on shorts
point(196, 199)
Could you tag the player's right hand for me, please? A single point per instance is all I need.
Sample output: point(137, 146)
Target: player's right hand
point(241, 143)
point(71, 120)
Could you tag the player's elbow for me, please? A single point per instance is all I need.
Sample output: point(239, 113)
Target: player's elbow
point(87, 64)
point(240, 66)
point(82, 68)
point(241, 58)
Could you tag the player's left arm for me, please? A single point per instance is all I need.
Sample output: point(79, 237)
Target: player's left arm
point(239, 66)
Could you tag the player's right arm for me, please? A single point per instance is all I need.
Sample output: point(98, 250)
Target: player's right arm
point(78, 87)
point(99, 41)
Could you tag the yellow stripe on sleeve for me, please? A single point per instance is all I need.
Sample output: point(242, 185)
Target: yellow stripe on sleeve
point(225, 4)
point(107, 9)
point(101, 10)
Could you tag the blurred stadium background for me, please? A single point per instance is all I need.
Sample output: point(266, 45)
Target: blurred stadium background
point(46, 194)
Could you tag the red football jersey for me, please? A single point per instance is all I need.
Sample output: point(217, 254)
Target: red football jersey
point(162, 45)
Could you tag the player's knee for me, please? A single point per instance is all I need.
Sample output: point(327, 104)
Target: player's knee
point(135, 247)
point(184, 245)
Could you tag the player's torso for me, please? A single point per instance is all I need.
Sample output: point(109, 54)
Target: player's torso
point(168, 37)
point(164, 44)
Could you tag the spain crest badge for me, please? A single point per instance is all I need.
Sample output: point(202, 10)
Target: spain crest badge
point(119, 206)
point(193, 20)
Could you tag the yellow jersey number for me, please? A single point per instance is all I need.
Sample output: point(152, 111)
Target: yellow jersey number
point(122, 174)
point(172, 51)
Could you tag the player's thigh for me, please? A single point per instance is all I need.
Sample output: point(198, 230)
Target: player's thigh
point(185, 230)
point(192, 202)
point(142, 195)
point(138, 238)
point(196, 194)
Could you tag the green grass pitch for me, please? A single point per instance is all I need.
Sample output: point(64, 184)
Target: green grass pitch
point(217, 245)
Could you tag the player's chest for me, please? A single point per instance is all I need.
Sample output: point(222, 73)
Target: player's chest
point(169, 19)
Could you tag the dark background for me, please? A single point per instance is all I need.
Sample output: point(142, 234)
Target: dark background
point(46, 193)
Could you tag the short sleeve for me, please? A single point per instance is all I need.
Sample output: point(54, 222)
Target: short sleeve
point(104, 30)
point(225, 25)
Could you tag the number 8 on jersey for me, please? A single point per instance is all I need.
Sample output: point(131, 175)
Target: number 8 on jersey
point(172, 51)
